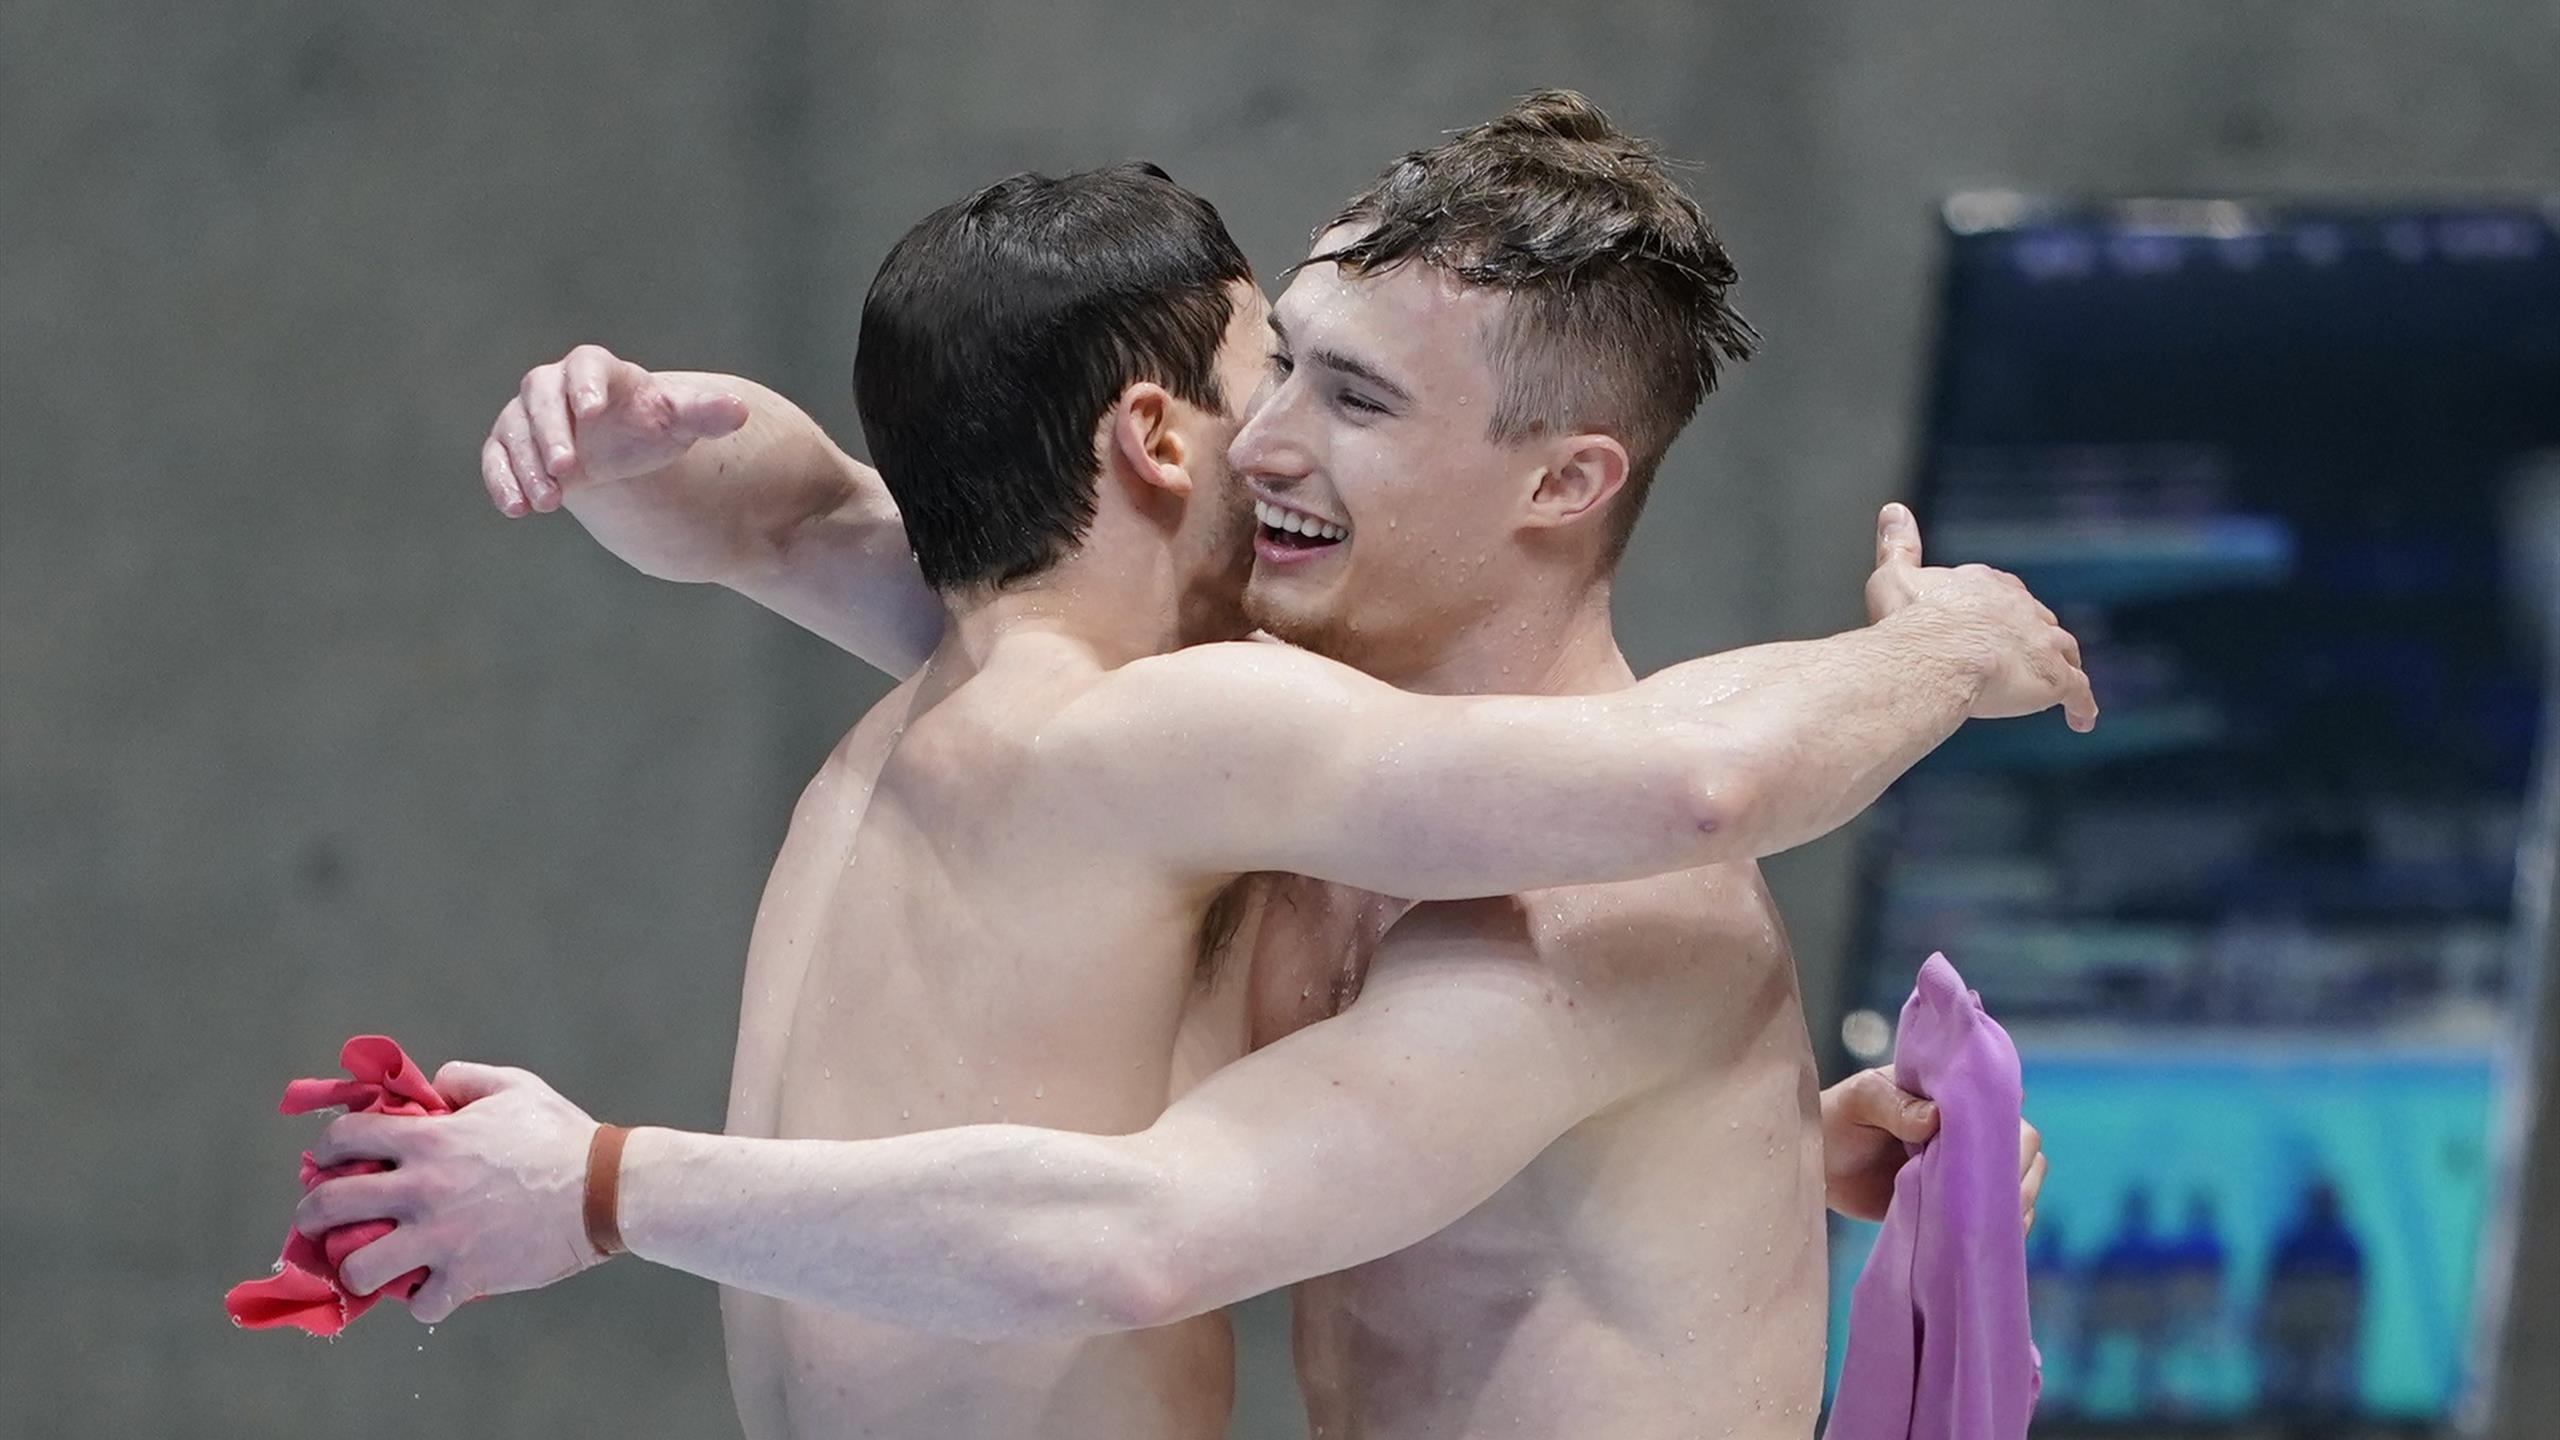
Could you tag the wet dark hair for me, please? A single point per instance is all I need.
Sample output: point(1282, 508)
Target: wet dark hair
point(1619, 316)
point(1002, 327)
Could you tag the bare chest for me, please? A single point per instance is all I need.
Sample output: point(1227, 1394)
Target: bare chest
point(1311, 951)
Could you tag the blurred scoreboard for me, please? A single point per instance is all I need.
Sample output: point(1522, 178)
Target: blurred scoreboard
point(2289, 473)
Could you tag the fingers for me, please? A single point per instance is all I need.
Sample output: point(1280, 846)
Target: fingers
point(332, 1203)
point(546, 406)
point(1871, 1098)
point(587, 375)
point(2031, 1171)
point(514, 434)
point(436, 1300)
point(499, 479)
point(460, 1082)
point(1897, 537)
point(2079, 702)
point(1909, 1118)
point(706, 414)
point(367, 1270)
point(369, 1137)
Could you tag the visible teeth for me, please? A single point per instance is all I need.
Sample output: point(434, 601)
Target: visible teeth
point(1293, 523)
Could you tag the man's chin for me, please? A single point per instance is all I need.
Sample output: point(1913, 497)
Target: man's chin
point(1306, 627)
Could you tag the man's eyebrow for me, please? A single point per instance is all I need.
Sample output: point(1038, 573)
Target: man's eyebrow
point(1348, 365)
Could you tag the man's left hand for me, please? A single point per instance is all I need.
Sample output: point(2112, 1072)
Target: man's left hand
point(1867, 1121)
point(488, 1199)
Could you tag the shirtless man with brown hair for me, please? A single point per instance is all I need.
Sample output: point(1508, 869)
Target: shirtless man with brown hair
point(1557, 1154)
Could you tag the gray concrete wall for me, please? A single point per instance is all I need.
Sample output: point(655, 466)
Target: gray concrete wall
point(296, 739)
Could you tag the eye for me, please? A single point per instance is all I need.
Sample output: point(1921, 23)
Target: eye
point(1360, 404)
point(1281, 364)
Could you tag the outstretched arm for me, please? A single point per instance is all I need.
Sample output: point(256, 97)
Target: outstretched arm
point(1224, 759)
point(1350, 1139)
point(714, 479)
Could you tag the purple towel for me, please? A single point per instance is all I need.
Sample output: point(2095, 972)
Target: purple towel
point(1938, 1342)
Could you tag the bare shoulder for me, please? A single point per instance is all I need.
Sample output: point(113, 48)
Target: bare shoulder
point(1155, 731)
point(1229, 674)
point(854, 764)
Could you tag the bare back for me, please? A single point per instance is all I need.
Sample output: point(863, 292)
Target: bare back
point(1659, 1269)
point(950, 938)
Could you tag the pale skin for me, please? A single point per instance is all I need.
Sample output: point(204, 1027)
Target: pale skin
point(1550, 1014)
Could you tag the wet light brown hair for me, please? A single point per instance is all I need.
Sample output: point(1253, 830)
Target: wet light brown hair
point(1619, 318)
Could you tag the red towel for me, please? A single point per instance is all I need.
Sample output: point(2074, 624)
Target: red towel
point(305, 1290)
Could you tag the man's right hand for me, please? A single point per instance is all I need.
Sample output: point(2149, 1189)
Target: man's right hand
point(2032, 662)
point(713, 479)
point(593, 418)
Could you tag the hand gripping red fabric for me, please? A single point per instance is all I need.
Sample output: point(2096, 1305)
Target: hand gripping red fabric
point(305, 1290)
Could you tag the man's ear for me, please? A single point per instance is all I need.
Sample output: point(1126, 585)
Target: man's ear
point(1147, 442)
point(1582, 474)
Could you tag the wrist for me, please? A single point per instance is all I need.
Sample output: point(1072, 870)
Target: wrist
point(649, 1154)
point(1947, 643)
point(600, 1205)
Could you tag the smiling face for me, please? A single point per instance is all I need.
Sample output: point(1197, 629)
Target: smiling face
point(1387, 516)
point(1214, 546)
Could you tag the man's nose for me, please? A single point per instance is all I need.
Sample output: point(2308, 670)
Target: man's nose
point(1264, 446)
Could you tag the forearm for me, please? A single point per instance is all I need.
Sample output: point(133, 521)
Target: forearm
point(987, 1231)
point(779, 513)
point(726, 507)
point(1792, 740)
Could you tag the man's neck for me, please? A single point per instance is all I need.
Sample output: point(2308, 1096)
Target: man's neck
point(1115, 622)
point(1535, 646)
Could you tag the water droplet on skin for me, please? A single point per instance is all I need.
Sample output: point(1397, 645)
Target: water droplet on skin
point(826, 1072)
point(1039, 1092)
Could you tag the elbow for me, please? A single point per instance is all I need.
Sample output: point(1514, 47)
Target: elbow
point(1142, 1289)
point(1720, 810)
point(1152, 1277)
point(1155, 1272)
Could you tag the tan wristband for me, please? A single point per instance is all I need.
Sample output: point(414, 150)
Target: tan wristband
point(604, 1180)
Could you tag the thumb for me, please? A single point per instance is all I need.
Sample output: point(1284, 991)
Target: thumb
point(707, 414)
point(1897, 537)
point(1914, 1120)
point(436, 1300)
point(460, 1082)
point(1909, 1118)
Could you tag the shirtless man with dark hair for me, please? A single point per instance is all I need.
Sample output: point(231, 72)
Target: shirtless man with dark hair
point(1555, 1155)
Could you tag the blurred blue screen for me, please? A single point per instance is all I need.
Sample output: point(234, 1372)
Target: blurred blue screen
point(2292, 1222)
point(2292, 475)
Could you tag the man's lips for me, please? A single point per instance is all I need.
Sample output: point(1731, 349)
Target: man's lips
point(1280, 548)
point(1288, 520)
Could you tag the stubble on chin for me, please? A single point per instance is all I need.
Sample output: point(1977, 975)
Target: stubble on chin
point(1333, 636)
